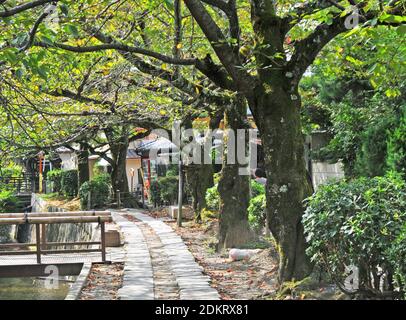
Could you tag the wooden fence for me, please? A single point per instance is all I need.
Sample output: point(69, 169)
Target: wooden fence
point(41, 219)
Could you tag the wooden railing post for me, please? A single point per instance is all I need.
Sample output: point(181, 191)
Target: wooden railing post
point(103, 241)
point(118, 199)
point(43, 237)
point(38, 242)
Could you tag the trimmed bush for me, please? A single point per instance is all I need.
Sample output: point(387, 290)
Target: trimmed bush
point(103, 177)
point(360, 223)
point(164, 190)
point(257, 212)
point(155, 193)
point(99, 193)
point(396, 159)
point(8, 202)
point(55, 176)
point(213, 198)
point(70, 183)
point(168, 189)
point(397, 257)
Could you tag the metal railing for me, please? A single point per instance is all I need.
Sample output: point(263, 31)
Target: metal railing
point(40, 220)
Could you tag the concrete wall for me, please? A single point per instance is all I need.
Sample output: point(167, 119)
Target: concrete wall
point(323, 171)
point(69, 161)
point(67, 232)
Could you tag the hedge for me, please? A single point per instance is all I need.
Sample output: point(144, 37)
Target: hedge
point(164, 190)
point(55, 176)
point(70, 183)
point(99, 191)
point(362, 224)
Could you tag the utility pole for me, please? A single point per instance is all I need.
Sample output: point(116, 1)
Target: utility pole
point(180, 193)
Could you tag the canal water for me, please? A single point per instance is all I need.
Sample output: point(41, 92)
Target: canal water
point(31, 289)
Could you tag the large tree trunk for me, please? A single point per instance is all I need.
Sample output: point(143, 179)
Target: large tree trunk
point(277, 115)
point(234, 189)
point(119, 146)
point(119, 179)
point(199, 178)
point(83, 165)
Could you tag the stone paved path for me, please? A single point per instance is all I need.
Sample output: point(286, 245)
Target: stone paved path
point(165, 285)
point(158, 264)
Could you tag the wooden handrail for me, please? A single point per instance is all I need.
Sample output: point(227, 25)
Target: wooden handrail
point(54, 220)
point(42, 219)
point(56, 214)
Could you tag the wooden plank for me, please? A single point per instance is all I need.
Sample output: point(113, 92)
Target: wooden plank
point(8, 221)
point(55, 220)
point(56, 214)
point(16, 253)
point(70, 251)
point(103, 241)
point(16, 245)
point(56, 244)
point(38, 240)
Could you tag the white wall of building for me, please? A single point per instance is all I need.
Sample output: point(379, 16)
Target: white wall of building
point(69, 161)
point(323, 171)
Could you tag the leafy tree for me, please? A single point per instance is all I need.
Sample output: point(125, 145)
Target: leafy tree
point(261, 50)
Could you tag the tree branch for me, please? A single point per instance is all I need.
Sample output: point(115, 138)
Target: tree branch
point(120, 47)
point(221, 46)
point(13, 11)
point(307, 49)
point(33, 31)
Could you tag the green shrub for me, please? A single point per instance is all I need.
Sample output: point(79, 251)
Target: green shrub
point(154, 192)
point(256, 189)
point(359, 223)
point(70, 183)
point(55, 176)
point(213, 198)
point(173, 171)
point(99, 193)
point(208, 215)
point(103, 177)
point(168, 189)
point(257, 212)
point(396, 148)
point(11, 170)
point(8, 203)
point(370, 160)
point(164, 190)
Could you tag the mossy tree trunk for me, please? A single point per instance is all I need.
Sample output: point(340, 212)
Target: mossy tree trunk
point(200, 176)
point(278, 120)
point(272, 93)
point(119, 142)
point(83, 164)
point(234, 188)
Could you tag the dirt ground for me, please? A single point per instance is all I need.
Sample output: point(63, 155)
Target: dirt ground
point(56, 201)
point(103, 282)
point(255, 278)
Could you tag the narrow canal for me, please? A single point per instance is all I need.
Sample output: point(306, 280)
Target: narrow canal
point(31, 289)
